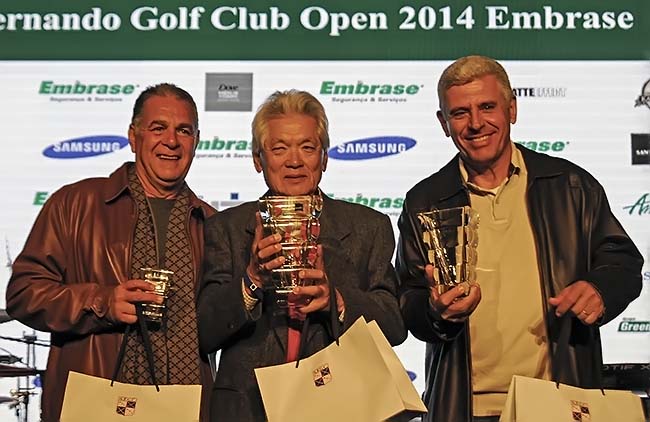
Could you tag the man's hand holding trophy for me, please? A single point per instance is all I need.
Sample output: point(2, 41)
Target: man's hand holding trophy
point(286, 258)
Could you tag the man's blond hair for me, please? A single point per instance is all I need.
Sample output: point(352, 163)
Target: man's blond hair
point(282, 103)
point(468, 68)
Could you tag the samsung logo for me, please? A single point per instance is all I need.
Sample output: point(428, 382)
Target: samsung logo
point(87, 146)
point(365, 149)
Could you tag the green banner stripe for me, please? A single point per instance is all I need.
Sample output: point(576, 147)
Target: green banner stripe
point(329, 30)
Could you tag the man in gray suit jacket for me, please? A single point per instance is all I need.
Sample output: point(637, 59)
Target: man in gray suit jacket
point(238, 315)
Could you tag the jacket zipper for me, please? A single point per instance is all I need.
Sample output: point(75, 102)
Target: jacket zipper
point(129, 248)
point(541, 260)
point(470, 384)
point(468, 340)
point(196, 268)
point(155, 233)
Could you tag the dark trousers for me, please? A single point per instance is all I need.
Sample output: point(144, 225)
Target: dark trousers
point(485, 419)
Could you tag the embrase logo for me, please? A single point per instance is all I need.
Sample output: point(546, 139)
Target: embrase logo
point(87, 146)
point(368, 148)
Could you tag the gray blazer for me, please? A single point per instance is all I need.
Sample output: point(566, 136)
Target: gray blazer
point(358, 246)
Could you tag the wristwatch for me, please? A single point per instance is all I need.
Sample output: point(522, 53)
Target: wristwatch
point(257, 291)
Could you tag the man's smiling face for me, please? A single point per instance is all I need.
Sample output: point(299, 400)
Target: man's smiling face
point(477, 117)
point(164, 139)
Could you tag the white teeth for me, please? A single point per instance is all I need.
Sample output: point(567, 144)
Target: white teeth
point(168, 157)
point(482, 138)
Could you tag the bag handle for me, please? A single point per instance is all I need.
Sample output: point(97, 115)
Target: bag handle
point(120, 355)
point(562, 349)
point(147, 347)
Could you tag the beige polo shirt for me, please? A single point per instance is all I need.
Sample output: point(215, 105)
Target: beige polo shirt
point(507, 330)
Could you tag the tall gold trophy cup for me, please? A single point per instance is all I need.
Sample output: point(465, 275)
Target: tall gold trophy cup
point(296, 219)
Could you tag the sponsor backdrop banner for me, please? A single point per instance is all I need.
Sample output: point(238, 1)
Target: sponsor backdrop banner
point(65, 120)
point(333, 29)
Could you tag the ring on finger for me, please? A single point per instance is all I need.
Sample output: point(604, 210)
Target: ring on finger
point(585, 313)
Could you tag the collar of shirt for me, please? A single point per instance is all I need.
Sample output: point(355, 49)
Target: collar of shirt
point(516, 165)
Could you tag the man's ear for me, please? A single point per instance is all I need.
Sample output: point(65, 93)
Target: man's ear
point(257, 161)
point(197, 139)
point(513, 110)
point(324, 161)
point(132, 140)
point(443, 122)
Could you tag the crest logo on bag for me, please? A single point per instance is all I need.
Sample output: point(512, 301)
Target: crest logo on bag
point(580, 411)
point(322, 375)
point(126, 406)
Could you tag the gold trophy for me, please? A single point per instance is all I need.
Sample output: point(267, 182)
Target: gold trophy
point(296, 219)
point(162, 283)
point(451, 238)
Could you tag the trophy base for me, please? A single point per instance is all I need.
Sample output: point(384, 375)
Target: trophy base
point(284, 291)
point(153, 312)
point(282, 296)
point(285, 280)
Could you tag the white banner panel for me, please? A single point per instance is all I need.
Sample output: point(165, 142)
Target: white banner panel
point(64, 121)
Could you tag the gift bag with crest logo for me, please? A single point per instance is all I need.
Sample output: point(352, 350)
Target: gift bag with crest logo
point(360, 379)
point(536, 400)
point(90, 398)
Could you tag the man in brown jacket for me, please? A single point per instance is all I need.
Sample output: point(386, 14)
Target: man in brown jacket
point(78, 275)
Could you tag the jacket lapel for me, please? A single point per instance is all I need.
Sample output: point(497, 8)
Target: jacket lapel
point(334, 223)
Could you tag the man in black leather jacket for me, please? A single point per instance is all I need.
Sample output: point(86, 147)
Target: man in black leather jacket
point(550, 254)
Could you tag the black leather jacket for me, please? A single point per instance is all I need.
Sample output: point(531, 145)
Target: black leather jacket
point(576, 237)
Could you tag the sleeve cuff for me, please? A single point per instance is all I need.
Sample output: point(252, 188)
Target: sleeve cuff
point(249, 301)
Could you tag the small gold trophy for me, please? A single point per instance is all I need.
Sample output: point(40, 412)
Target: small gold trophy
point(451, 238)
point(162, 282)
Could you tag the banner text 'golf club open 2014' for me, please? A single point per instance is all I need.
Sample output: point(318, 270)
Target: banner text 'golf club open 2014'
point(318, 18)
point(372, 29)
